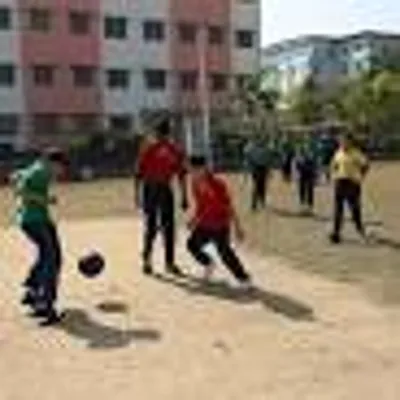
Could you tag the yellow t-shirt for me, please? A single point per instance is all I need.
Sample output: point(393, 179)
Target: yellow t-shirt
point(349, 164)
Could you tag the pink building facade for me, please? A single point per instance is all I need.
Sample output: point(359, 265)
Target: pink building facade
point(74, 66)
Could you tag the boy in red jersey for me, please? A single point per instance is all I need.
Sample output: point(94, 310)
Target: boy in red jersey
point(160, 162)
point(211, 222)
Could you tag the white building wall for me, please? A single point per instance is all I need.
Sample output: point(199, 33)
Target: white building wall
point(135, 55)
point(11, 98)
point(245, 15)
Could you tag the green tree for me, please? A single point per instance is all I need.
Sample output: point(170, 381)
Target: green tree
point(306, 103)
point(371, 100)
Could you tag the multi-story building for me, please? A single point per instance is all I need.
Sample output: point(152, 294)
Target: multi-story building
point(328, 59)
point(291, 62)
point(79, 65)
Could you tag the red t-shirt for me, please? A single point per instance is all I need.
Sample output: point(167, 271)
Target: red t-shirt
point(213, 208)
point(161, 161)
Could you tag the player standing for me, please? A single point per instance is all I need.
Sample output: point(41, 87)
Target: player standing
point(159, 163)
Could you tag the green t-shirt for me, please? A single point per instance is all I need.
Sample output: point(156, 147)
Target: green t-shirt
point(33, 180)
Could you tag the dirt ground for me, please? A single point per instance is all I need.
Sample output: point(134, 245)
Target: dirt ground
point(324, 322)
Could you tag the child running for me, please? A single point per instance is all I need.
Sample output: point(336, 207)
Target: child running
point(211, 222)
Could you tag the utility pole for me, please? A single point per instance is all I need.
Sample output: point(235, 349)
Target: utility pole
point(204, 91)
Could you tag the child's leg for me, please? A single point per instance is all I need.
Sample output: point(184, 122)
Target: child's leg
point(302, 190)
point(340, 196)
point(197, 240)
point(53, 275)
point(354, 201)
point(151, 214)
point(32, 282)
point(310, 192)
point(261, 186)
point(168, 226)
point(254, 198)
point(228, 255)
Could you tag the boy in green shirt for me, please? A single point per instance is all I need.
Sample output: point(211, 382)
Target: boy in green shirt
point(32, 188)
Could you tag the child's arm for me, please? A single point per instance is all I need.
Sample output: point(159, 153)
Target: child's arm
point(237, 226)
point(236, 223)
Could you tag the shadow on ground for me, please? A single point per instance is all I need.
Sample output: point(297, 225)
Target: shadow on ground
point(79, 324)
point(287, 213)
point(376, 240)
point(113, 307)
point(277, 303)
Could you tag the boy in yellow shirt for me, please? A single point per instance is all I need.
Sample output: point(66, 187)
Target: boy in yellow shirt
point(349, 167)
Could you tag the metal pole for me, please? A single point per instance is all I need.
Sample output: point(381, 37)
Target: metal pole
point(205, 96)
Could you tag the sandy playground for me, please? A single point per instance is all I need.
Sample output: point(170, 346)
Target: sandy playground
point(300, 336)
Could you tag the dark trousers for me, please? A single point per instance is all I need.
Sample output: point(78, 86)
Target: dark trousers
point(159, 211)
point(347, 192)
point(306, 190)
point(259, 177)
point(287, 167)
point(42, 281)
point(221, 239)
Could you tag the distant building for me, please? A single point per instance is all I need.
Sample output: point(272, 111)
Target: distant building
point(327, 59)
point(78, 66)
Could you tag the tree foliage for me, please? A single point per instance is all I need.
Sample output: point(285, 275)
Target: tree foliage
point(306, 103)
point(371, 100)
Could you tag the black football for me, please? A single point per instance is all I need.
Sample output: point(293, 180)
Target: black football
point(91, 264)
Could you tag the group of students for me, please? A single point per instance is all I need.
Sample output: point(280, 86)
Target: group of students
point(211, 218)
point(310, 159)
point(160, 161)
point(344, 163)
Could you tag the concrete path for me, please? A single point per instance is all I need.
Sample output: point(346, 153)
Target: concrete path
point(125, 336)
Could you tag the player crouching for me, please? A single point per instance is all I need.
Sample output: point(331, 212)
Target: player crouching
point(211, 222)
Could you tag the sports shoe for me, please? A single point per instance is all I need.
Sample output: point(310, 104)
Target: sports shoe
point(173, 270)
point(246, 285)
point(334, 238)
point(52, 318)
point(29, 299)
point(147, 268)
point(208, 272)
point(365, 237)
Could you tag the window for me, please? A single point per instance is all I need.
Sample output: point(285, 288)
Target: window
point(244, 39)
point(79, 22)
point(83, 76)
point(5, 19)
point(118, 78)
point(215, 35)
point(358, 46)
point(155, 79)
point(39, 19)
point(153, 31)
point(8, 124)
point(43, 75)
point(187, 32)
point(218, 82)
point(116, 28)
point(121, 122)
point(188, 80)
point(7, 75)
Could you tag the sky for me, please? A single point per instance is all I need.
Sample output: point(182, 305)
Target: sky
point(285, 19)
